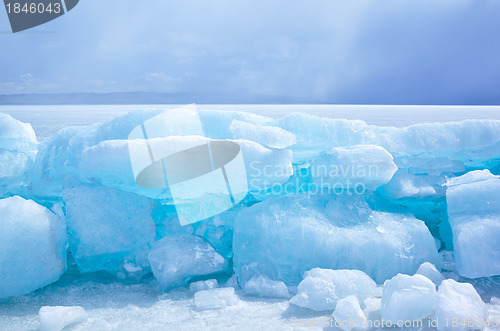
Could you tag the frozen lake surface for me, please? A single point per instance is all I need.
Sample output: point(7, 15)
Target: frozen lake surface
point(114, 305)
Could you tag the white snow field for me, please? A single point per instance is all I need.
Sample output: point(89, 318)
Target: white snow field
point(361, 218)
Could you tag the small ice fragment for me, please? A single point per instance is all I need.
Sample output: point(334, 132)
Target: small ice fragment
point(262, 286)
point(348, 314)
point(474, 217)
point(56, 318)
point(203, 285)
point(408, 298)
point(32, 246)
point(131, 267)
point(215, 299)
point(429, 270)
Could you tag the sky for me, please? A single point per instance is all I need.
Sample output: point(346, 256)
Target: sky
point(284, 51)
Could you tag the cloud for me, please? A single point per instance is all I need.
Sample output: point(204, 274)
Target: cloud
point(27, 83)
point(157, 82)
point(360, 51)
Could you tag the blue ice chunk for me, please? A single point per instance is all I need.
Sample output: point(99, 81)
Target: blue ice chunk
point(361, 167)
point(32, 246)
point(262, 286)
point(316, 135)
point(461, 302)
point(474, 215)
point(215, 299)
point(108, 163)
point(283, 237)
point(348, 309)
point(14, 170)
point(108, 228)
point(59, 157)
point(405, 185)
point(57, 160)
point(17, 136)
point(178, 258)
point(424, 196)
point(13, 165)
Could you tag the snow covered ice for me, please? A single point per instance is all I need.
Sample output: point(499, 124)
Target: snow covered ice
point(58, 318)
point(474, 214)
point(215, 299)
point(334, 207)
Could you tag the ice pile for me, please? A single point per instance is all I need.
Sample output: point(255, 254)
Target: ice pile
point(405, 301)
point(333, 206)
